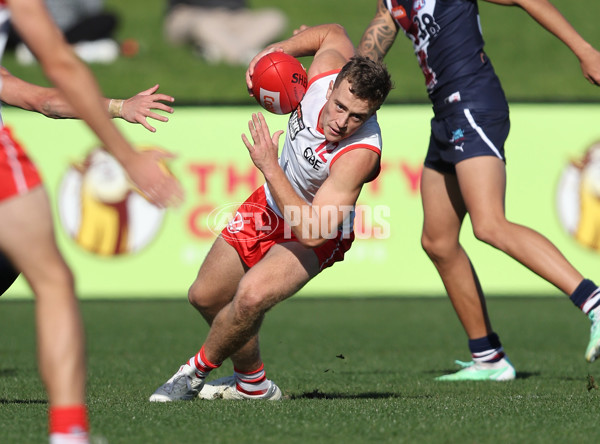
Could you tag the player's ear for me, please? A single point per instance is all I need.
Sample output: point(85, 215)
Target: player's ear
point(329, 90)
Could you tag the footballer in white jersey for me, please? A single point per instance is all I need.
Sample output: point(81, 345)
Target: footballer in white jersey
point(332, 147)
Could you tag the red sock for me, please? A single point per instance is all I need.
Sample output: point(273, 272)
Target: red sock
point(254, 383)
point(202, 365)
point(69, 420)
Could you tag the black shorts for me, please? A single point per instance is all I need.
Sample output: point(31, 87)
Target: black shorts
point(464, 134)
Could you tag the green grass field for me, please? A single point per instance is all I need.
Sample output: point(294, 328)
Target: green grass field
point(353, 370)
point(532, 64)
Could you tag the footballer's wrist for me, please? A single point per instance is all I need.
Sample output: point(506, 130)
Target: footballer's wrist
point(115, 108)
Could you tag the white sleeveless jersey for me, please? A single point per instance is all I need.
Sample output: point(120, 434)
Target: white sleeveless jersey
point(306, 157)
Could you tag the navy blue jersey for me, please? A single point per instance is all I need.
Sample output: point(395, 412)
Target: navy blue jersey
point(447, 39)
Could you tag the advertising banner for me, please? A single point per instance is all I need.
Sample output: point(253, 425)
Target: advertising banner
point(120, 246)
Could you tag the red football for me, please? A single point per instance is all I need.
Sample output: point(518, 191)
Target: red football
point(279, 82)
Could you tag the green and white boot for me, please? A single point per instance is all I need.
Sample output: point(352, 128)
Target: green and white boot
point(501, 370)
point(593, 348)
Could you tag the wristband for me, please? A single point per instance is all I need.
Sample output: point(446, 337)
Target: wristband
point(115, 106)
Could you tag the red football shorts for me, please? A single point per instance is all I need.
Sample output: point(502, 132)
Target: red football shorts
point(256, 228)
point(18, 174)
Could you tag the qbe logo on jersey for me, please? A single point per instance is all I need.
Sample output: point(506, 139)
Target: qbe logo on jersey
point(270, 100)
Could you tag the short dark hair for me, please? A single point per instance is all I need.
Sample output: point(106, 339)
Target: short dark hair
point(369, 80)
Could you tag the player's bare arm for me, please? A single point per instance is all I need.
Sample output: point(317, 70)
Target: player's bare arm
point(329, 44)
point(314, 223)
point(379, 35)
point(340, 190)
point(546, 14)
point(344, 184)
point(51, 103)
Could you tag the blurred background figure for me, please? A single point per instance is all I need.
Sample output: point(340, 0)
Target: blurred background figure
point(86, 25)
point(222, 31)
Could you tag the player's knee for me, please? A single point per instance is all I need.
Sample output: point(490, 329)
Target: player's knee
point(489, 231)
point(437, 249)
point(250, 299)
point(199, 299)
point(55, 279)
point(194, 296)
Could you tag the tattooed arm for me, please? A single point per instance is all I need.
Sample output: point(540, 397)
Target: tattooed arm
point(379, 35)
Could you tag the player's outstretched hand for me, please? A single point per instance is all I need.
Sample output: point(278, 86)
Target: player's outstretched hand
point(252, 64)
point(265, 148)
point(149, 173)
point(139, 108)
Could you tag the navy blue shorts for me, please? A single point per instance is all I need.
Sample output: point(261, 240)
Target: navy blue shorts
point(466, 133)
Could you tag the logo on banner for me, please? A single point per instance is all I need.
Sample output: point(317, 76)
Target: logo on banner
point(578, 198)
point(101, 209)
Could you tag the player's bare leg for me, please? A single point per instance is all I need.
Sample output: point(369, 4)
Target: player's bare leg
point(215, 286)
point(27, 238)
point(281, 273)
point(235, 320)
point(444, 212)
point(217, 280)
point(482, 182)
point(213, 289)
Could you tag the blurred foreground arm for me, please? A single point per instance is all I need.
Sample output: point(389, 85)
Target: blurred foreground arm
point(79, 88)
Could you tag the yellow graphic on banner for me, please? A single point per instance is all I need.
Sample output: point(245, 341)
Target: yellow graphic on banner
point(102, 210)
point(579, 198)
